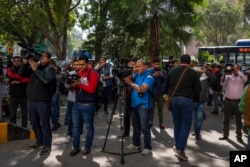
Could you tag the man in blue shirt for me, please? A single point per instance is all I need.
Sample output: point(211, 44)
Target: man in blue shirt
point(141, 105)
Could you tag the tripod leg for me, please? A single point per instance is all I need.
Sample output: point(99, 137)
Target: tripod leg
point(110, 121)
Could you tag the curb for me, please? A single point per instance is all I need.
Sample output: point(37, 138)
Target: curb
point(10, 131)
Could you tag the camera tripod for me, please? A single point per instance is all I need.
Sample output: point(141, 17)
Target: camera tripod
point(121, 98)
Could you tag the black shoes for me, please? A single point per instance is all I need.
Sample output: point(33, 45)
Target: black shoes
point(86, 151)
point(214, 112)
point(74, 152)
point(56, 127)
point(45, 150)
point(240, 140)
point(197, 137)
point(223, 137)
point(35, 146)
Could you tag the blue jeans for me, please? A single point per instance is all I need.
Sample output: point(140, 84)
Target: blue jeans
point(140, 121)
point(182, 111)
point(83, 112)
point(55, 109)
point(199, 109)
point(248, 143)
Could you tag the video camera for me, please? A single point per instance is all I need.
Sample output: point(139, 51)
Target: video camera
point(29, 53)
point(229, 68)
point(122, 72)
point(71, 77)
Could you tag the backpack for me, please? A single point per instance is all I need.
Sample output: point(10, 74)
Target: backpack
point(53, 85)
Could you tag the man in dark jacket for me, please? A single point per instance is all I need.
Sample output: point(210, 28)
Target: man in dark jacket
point(39, 95)
point(182, 102)
point(17, 91)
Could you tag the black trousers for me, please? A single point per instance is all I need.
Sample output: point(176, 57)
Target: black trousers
point(14, 102)
point(106, 95)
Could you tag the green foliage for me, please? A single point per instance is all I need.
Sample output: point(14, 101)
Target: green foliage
point(220, 23)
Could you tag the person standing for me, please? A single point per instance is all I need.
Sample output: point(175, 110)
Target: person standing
point(84, 106)
point(182, 102)
point(142, 105)
point(206, 78)
point(158, 91)
point(244, 107)
point(233, 84)
point(39, 94)
point(17, 91)
point(104, 70)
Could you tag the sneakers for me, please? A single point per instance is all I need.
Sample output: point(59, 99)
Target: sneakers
point(197, 137)
point(180, 155)
point(132, 147)
point(35, 146)
point(68, 139)
point(86, 151)
point(146, 152)
point(74, 152)
point(45, 150)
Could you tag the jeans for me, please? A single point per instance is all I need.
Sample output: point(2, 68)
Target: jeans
point(55, 109)
point(199, 111)
point(140, 120)
point(69, 117)
point(182, 111)
point(217, 101)
point(106, 95)
point(248, 143)
point(39, 115)
point(83, 112)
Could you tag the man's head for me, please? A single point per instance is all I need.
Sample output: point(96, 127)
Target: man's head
point(236, 69)
point(157, 63)
point(45, 57)
point(102, 60)
point(141, 66)
point(185, 59)
point(83, 62)
point(16, 61)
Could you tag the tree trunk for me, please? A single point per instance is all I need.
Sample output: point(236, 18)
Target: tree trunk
point(154, 38)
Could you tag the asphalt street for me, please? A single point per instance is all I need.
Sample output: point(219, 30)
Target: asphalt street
point(207, 152)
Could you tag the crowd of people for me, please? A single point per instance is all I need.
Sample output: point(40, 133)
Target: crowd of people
point(34, 86)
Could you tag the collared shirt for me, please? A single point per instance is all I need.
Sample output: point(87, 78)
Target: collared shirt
point(234, 85)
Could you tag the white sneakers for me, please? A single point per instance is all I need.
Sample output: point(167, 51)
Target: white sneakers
point(144, 152)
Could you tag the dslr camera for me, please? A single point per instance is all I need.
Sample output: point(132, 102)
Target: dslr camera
point(72, 77)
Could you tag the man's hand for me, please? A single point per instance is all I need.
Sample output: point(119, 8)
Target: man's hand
point(14, 82)
point(128, 80)
point(33, 64)
point(74, 84)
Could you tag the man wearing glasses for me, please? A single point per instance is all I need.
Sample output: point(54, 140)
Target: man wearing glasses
point(42, 77)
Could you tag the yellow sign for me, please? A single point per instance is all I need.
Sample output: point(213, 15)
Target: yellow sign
point(10, 49)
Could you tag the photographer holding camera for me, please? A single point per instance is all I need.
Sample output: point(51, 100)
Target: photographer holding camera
point(142, 105)
point(39, 94)
point(84, 106)
point(233, 82)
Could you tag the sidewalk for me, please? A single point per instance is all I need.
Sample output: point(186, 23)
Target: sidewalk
point(207, 152)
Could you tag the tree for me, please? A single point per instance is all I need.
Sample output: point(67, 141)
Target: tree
point(51, 19)
point(220, 22)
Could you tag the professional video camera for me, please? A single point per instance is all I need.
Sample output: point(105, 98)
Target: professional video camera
point(29, 53)
point(71, 77)
point(229, 68)
point(122, 72)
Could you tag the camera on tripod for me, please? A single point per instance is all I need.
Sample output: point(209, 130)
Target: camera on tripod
point(72, 77)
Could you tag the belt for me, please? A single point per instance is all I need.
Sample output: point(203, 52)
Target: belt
point(86, 103)
point(232, 99)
